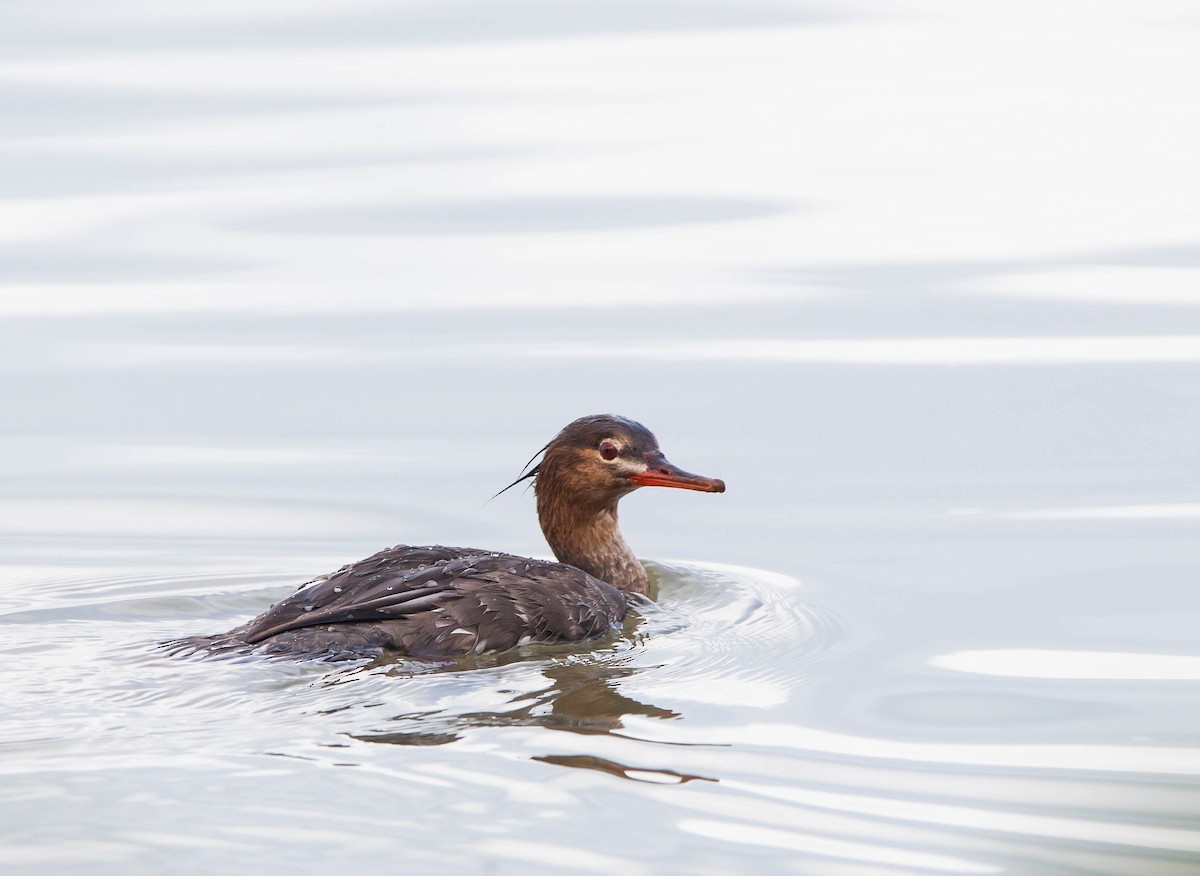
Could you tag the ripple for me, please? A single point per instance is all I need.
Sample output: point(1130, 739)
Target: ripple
point(718, 635)
point(658, 719)
point(731, 635)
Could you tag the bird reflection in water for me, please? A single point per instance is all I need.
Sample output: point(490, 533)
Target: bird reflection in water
point(581, 698)
point(621, 771)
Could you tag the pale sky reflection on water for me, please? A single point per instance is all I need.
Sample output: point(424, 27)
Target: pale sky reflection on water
point(282, 283)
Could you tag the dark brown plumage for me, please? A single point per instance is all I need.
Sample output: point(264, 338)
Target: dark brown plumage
point(430, 602)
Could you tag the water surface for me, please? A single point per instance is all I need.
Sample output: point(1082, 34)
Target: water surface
point(283, 284)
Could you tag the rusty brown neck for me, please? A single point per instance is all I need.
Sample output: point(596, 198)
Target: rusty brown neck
point(585, 535)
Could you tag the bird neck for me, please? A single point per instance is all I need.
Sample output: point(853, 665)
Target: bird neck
point(589, 539)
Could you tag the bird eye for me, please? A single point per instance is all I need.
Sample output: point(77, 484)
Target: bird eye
point(608, 450)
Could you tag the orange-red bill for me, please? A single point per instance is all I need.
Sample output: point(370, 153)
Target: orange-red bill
point(663, 474)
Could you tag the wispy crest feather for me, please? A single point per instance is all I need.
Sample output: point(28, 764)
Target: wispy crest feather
point(526, 472)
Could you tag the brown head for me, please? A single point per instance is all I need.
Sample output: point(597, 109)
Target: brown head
point(598, 459)
point(585, 471)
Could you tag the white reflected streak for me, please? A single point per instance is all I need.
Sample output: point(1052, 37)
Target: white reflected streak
point(1050, 826)
point(522, 290)
point(875, 351)
point(1165, 511)
point(727, 689)
point(917, 351)
point(1117, 284)
point(80, 853)
point(59, 455)
point(1094, 665)
point(942, 351)
point(752, 834)
point(198, 456)
point(1161, 760)
point(153, 517)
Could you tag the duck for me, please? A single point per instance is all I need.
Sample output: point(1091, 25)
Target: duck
point(433, 602)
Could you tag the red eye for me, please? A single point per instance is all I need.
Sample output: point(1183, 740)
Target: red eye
point(608, 450)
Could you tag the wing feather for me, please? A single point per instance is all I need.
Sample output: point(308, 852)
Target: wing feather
point(441, 601)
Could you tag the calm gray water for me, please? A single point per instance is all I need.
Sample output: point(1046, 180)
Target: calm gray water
point(284, 283)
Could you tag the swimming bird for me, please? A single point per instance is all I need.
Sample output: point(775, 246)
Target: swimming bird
point(433, 602)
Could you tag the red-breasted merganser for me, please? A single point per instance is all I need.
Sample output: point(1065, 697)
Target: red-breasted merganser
point(432, 602)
